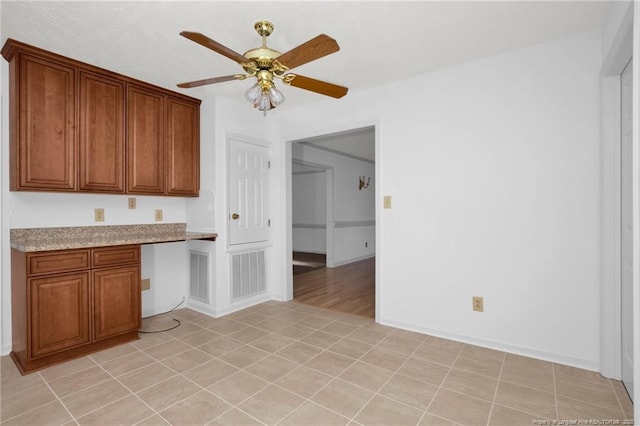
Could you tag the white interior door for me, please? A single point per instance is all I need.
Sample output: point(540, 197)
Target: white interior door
point(626, 249)
point(248, 193)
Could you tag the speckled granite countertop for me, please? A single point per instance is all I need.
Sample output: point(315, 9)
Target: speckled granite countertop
point(42, 239)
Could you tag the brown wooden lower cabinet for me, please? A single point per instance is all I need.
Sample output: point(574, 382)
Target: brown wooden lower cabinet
point(68, 303)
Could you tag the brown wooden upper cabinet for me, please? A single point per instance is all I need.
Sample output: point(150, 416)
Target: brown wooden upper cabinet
point(146, 137)
point(43, 108)
point(102, 138)
point(183, 136)
point(76, 127)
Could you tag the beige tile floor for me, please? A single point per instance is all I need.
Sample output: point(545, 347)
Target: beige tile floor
point(292, 364)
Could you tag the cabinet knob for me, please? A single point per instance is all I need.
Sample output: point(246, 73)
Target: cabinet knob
point(235, 216)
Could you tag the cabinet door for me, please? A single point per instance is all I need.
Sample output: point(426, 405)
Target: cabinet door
point(44, 150)
point(116, 301)
point(145, 141)
point(59, 312)
point(183, 148)
point(101, 134)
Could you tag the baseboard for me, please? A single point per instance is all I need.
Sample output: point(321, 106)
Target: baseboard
point(243, 304)
point(203, 308)
point(489, 344)
point(352, 260)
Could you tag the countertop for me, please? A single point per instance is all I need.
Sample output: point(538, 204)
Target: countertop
point(43, 239)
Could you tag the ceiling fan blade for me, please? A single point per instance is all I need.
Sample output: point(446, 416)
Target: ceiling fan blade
point(314, 85)
point(215, 46)
point(313, 49)
point(206, 81)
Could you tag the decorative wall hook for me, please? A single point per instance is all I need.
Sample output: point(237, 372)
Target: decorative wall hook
point(361, 184)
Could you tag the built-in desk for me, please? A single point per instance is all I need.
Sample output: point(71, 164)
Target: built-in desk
point(76, 290)
point(44, 239)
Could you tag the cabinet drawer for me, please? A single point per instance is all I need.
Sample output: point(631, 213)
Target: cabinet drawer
point(120, 255)
point(51, 262)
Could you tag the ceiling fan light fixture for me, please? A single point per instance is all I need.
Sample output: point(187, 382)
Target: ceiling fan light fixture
point(276, 96)
point(253, 93)
point(263, 103)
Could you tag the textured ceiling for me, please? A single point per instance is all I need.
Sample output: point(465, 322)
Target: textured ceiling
point(381, 41)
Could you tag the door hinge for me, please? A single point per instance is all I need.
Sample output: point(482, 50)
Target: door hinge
point(268, 222)
point(268, 164)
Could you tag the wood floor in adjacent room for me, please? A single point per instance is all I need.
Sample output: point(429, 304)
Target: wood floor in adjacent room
point(349, 288)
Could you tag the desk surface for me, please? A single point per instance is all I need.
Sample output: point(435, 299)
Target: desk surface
point(44, 239)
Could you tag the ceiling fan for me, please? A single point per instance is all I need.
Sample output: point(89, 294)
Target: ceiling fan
point(266, 64)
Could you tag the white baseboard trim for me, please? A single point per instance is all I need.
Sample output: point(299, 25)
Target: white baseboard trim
point(355, 259)
point(243, 304)
point(201, 307)
point(517, 350)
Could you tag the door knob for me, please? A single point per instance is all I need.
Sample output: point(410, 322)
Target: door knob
point(235, 216)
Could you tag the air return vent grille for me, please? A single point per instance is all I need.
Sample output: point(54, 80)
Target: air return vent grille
point(248, 274)
point(199, 276)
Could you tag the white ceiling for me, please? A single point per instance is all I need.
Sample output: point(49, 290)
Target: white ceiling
point(381, 41)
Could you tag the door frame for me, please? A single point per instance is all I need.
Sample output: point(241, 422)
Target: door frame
point(288, 160)
point(610, 256)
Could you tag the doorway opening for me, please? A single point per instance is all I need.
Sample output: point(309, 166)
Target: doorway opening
point(333, 225)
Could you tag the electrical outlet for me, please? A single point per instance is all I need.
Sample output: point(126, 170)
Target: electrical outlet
point(98, 215)
point(387, 201)
point(132, 203)
point(145, 284)
point(158, 215)
point(478, 304)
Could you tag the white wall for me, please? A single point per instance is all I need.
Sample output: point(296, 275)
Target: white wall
point(493, 169)
point(309, 212)
point(353, 210)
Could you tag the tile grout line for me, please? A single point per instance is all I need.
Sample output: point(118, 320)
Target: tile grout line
point(377, 393)
point(555, 390)
point(440, 387)
point(243, 369)
point(495, 393)
point(617, 398)
point(333, 378)
point(179, 374)
point(131, 393)
point(57, 398)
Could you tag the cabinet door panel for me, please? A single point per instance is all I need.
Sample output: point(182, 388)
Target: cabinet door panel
point(145, 141)
point(47, 138)
point(183, 148)
point(59, 312)
point(101, 134)
point(116, 301)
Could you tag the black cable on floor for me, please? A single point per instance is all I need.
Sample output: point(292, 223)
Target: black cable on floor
point(163, 313)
